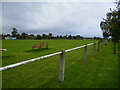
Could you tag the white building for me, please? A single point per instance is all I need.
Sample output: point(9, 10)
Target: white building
point(10, 38)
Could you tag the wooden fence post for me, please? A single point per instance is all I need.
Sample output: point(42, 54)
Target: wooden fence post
point(118, 52)
point(85, 54)
point(98, 45)
point(101, 44)
point(62, 65)
point(94, 49)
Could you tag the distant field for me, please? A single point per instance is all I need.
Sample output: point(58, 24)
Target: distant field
point(98, 72)
point(20, 50)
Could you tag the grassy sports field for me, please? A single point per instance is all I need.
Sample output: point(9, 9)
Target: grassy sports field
point(98, 72)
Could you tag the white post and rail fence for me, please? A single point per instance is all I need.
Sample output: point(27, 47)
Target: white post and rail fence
point(62, 58)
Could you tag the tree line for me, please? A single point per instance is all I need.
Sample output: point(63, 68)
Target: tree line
point(24, 36)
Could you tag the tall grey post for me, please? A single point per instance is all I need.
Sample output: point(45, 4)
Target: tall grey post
point(101, 44)
point(85, 54)
point(98, 45)
point(94, 49)
point(118, 52)
point(62, 66)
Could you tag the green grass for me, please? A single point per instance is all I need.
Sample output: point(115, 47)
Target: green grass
point(20, 50)
point(98, 72)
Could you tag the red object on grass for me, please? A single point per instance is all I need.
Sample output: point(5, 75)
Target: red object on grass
point(3, 49)
point(40, 45)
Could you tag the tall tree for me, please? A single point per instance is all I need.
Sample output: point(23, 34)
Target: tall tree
point(69, 37)
point(39, 36)
point(18, 36)
point(115, 28)
point(111, 26)
point(14, 32)
point(24, 36)
point(50, 35)
point(32, 36)
point(44, 36)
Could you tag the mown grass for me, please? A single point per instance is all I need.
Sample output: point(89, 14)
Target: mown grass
point(100, 71)
point(20, 50)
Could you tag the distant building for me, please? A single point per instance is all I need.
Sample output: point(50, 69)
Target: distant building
point(7, 38)
point(13, 38)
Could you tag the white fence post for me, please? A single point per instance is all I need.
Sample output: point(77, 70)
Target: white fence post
point(85, 54)
point(62, 66)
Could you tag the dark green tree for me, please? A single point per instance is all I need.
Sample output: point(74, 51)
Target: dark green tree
point(14, 32)
point(111, 26)
point(8, 35)
point(24, 36)
point(65, 37)
point(61, 37)
point(69, 37)
point(32, 36)
point(39, 36)
point(78, 37)
point(3, 36)
point(18, 36)
point(50, 35)
point(44, 36)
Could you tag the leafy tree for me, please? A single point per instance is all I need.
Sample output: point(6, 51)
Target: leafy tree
point(65, 37)
point(18, 36)
point(39, 36)
point(31, 36)
point(8, 35)
point(24, 36)
point(61, 37)
point(69, 37)
point(44, 36)
point(3, 36)
point(50, 35)
point(78, 37)
point(57, 37)
point(105, 28)
point(111, 26)
point(53, 37)
point(14, 32)
point(74, 37)
point(115, 28)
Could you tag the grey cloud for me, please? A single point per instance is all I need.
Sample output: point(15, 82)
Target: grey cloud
point(55, 17)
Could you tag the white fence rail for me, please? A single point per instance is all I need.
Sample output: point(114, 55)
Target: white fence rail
point(39, 58)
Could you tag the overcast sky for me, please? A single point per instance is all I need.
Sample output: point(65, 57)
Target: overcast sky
point(59, 18)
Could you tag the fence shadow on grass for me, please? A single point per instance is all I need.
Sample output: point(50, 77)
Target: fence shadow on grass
point(4, 57)
point(38, 50)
